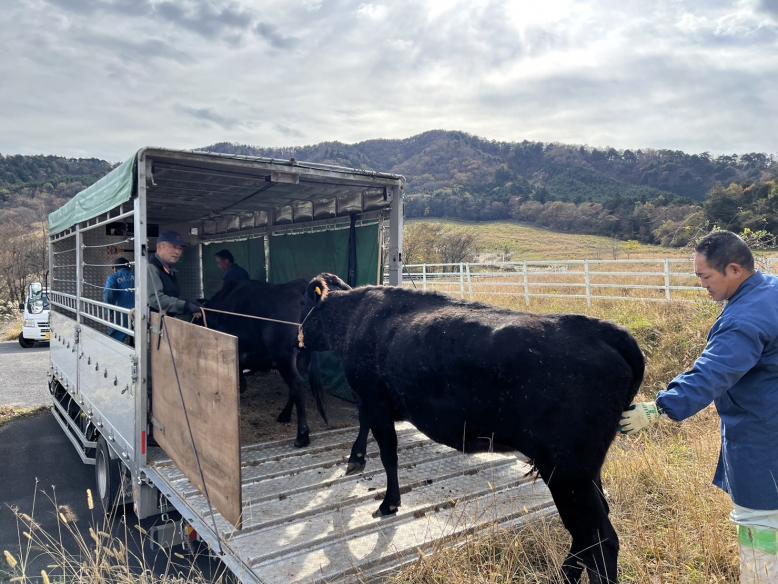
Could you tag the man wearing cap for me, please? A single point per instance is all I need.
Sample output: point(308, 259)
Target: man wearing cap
point(163, 291)
point(738, 371)
point(119, 290)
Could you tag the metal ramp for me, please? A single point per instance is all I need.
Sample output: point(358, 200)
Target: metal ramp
point(305, 521)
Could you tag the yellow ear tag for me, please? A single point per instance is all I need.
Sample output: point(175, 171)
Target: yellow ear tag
point(318, 291)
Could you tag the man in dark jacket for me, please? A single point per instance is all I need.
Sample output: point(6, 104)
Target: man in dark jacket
point(738, 371)
point(164, 294)
point(232, 271)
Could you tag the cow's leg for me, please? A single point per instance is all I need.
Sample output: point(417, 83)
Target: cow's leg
point(356, 460)
point(382, 426)
point(286, 414)
point(297, 397)
point(584, 513)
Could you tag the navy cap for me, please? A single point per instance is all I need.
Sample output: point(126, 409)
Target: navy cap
point(172, 237)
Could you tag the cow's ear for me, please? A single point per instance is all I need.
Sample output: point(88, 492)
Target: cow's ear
point(317, 290)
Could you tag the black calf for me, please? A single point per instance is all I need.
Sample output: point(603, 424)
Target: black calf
point(263, 345)
point(475, 377)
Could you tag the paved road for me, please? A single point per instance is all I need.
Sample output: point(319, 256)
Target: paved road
point(23, 375)
point(34, 453)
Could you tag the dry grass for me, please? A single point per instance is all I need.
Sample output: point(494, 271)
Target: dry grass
point(671, 521)
point(527, 242)
point(93, 549)
point(10, 330)
point(10, 413)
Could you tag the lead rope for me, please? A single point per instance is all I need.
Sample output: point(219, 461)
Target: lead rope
point(299, 325)
point(163, 329)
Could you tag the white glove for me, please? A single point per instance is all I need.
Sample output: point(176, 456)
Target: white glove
point(638, 416)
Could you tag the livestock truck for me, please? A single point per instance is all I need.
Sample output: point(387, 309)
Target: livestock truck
point(158, 415)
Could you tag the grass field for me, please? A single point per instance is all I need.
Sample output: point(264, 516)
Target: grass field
point(527, 242)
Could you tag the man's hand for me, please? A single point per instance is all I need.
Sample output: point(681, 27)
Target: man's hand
point(193, 306)
point(638, 416)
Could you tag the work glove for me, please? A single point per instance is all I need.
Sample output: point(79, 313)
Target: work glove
point(639, 416)
point(193, 306)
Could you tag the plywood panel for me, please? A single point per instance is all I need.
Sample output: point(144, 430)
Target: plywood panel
point(207, 366)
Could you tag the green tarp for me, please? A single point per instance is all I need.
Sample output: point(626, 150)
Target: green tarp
point(110, 191)
point(249, 254)
point(308, 254)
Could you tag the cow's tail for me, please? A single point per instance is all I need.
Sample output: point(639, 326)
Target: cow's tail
point(625, 344)
point(311, 366)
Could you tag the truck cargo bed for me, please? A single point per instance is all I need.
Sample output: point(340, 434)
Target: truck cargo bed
point(305, 521)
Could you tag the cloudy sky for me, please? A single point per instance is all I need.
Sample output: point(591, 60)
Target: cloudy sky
point(103, 77)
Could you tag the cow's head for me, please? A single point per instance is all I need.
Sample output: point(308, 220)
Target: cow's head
point(312, 333)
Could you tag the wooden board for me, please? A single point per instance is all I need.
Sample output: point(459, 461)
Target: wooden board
point(207, 365)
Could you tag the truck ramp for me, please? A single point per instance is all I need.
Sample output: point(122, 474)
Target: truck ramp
point(305, 521)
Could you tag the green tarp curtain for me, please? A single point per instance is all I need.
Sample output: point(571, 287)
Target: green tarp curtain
point(308, 254)
point(249, 254)
point(112, 190)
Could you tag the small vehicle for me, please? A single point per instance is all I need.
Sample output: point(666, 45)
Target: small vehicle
point(36, 316)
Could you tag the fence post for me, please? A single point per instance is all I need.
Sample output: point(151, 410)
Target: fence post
point(424, 277)
point(588, 284)
point(461, 281)
point(667, 280)
point(469, 281)
point(526, 284)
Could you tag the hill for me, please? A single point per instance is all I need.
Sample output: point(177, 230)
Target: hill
point(654, 196)
point(32, 186)
point(441, 159)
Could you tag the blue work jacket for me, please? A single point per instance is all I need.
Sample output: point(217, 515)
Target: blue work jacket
point(119, 290)
point(738, 371)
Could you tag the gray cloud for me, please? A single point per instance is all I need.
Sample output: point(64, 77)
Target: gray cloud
point(272, 36)
point(103, 77)
point(208, 114)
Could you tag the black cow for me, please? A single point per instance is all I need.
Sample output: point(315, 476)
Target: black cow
point(475, 377)
point(263, 345)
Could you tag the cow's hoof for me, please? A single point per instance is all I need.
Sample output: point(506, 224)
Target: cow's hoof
point(302, 440)
point(355, 467)
point(284, 417)
point(385, 511)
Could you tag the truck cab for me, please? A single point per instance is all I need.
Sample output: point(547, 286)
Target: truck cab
point(35, 328)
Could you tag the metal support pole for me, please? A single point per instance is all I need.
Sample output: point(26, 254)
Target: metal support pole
point(667, 280)
point(526, 283)
point(142, 364)
point(396, 236)
point(424, 277)
point(469, 281)
point(588, 283)
point(79, 271)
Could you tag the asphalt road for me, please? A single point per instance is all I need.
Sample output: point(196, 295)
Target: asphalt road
point(23, 375)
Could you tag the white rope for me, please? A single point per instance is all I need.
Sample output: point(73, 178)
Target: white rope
point(297, 324)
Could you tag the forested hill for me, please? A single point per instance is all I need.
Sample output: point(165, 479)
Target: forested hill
point(443, 161)
point(655, 196)
point(31, 186)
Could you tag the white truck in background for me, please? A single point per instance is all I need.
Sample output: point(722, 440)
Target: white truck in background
point(35, 328)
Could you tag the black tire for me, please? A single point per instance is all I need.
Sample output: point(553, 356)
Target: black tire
point(108, 477)
point(25, 343)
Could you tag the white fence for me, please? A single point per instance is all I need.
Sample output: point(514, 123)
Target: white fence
point(653, 280)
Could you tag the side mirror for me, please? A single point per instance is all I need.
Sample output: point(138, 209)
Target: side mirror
point(21, 306)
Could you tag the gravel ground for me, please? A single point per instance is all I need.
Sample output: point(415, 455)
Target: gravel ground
point(23, 375)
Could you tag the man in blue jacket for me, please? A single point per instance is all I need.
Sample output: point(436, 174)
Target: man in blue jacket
point(119, 290)
point(738, 371)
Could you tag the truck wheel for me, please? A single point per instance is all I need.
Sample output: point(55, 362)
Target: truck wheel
point(108, 475)
point(25, 343)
